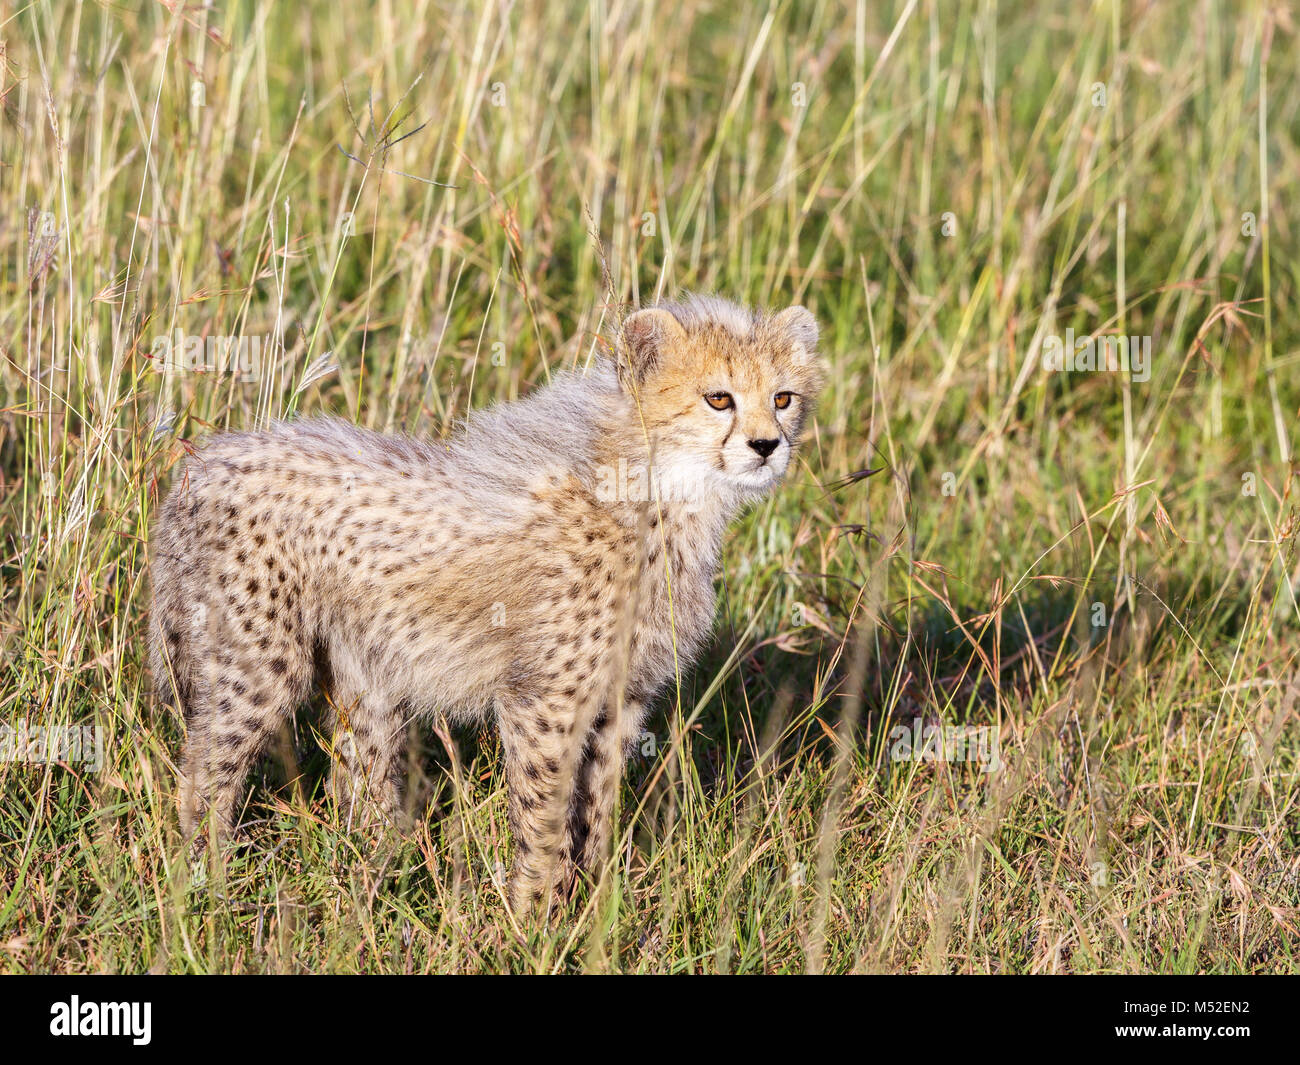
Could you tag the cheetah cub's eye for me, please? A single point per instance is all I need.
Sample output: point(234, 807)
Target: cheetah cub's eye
point(720, 400)
point(782, 400)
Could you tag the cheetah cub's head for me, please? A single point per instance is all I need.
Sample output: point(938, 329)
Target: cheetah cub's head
point(723, 392)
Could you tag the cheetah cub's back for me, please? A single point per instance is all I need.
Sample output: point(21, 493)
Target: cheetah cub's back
point(520, 569)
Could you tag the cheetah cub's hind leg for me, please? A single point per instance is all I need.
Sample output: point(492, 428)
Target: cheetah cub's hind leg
point(237, 703)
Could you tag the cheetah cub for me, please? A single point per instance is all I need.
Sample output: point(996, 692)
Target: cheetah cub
point(550, 566)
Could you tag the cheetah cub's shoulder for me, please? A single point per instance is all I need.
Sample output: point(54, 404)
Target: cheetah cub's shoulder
point(520, 569)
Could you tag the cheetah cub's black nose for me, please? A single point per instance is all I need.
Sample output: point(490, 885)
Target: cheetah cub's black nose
point(764, 447)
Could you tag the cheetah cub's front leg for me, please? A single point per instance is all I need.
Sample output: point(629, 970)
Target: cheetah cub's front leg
point(542, 737)
point(368, 756)
point(590, 826)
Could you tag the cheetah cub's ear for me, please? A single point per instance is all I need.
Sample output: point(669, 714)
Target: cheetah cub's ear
point(647, 334)
point(798, 327)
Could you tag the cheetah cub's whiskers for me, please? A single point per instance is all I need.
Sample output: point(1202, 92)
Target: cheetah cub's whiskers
point(550, 565)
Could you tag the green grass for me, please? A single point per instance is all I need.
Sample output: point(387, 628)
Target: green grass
point(934, 181)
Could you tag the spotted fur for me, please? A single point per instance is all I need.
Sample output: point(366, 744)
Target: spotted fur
point(550, 566)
